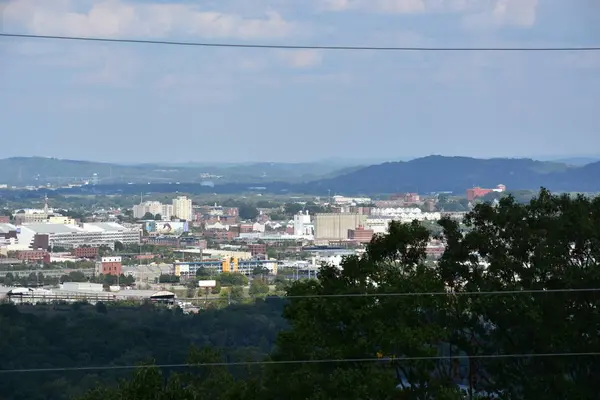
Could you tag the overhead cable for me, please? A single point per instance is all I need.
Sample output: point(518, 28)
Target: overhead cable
point(301, 47)
point(292, 362)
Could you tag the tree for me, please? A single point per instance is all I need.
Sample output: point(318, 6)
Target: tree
point(247, 212)
point(158, 217)
point(233, 294)
point(260, 270)
point(203, 273)
point(119, 246)
point(168, 278)
point(232, 279)
point(551, 243)
point(101, 308)
point(292, 209)
point(148, 215)
point(362, 326)
point(258, 287)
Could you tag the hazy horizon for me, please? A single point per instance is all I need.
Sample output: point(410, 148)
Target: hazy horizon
point(157, 103)
point(342, 162)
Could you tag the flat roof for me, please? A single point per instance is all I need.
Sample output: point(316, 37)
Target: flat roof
point(53, 228)
point(6, 228)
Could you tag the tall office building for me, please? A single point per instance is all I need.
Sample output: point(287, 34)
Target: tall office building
point(182, 208)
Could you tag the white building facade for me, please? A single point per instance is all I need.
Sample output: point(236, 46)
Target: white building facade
point(182, 208)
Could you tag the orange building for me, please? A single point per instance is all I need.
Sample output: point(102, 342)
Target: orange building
point(476, 192)
point(109, 266)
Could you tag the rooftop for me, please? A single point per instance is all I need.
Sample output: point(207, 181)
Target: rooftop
point(48, 228)
point(52, 228)
point(5, 228)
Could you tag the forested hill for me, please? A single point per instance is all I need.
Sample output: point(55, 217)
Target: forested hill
point(423, 175)
point(438, 173)
point(80, 335)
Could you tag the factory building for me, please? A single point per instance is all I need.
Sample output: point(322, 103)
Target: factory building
point(73, 236)
point(335, 226)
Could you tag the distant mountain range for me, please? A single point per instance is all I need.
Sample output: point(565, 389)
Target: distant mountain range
point(40, 171)
point(456, 174)
point(422, 175)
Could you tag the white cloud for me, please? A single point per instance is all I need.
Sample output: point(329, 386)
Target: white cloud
point(477, 12)
point(386, 6)
point(301, 58)
point(116, 18)
point(506, 12)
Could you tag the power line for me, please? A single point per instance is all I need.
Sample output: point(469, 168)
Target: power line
point(422, 294)
point(291, 362)
point(299, 47)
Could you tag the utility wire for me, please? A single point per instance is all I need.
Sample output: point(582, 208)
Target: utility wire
point(422, 294)
point(297, 47)
point(291, 362)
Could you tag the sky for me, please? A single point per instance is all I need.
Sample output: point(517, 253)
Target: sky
point(155, 103)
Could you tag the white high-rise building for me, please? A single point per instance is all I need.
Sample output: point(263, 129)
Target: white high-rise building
point(182, 208)
point(153, 207)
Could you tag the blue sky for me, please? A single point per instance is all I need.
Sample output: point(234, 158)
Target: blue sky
point(143, 103)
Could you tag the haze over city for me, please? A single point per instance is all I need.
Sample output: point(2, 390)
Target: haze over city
point(150, 103)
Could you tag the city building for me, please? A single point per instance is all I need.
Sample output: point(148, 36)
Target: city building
point(333, 226)
point(109, 266)
point(303, 225)
point(476, 192)
point(361, 234)
point(182, 208)
point(188, 269)
point(257, 249)
point(8, 232)
point(153, 207)
point(73, 236)
point(31, 215)
point(85, 252)
point(33, 256)
point(351, 200)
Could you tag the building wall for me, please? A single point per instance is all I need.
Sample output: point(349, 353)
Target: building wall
point(361, 234)
point(34, 255)
point(86, 252)
point(32, 218)
point(335, 226)
point(182, 208)
point(257, 249)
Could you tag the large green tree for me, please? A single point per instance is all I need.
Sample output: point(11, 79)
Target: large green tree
point(364, 321)
point(551, 244)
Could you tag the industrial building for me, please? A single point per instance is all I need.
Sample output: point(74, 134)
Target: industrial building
point(45, 235)
point(82, 291)
point(332, 226)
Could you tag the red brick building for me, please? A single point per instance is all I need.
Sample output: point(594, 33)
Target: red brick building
point(257, 249)
point(109, 266)
point(360, 234)
point(34, 256)
point(85, 252)
point(220, 235)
